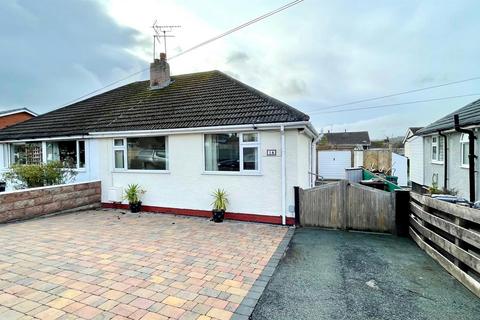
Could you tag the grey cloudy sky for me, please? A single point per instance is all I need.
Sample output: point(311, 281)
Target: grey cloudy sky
point(314, 55)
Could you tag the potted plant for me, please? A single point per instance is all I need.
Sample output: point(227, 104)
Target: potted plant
point(219, 204)
point(133, 194)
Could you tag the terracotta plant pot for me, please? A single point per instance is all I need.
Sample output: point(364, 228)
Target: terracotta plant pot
point(218, 215)
point(135, 207)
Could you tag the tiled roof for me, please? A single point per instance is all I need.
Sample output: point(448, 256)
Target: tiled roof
point(193, 100)
point(468, 115)
point(348, 138)
point(414, 129)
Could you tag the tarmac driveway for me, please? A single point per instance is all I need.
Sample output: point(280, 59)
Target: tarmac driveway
point(109, 265)
point(330, 274)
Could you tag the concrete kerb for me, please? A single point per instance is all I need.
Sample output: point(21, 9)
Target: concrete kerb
point(246, 307)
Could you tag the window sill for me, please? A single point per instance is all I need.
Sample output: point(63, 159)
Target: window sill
point(437, 162)
point(465, 166)
point(232, 173)
point(142, 171)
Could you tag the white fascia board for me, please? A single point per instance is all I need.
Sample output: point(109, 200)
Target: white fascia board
point(48, 139)
point(259, 126)
point(476, 126)
point(19, 111)
point(310, 130)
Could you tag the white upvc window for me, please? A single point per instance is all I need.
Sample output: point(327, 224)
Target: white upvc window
point(69, 152)
point(26, 153)
point(464, 144)
point(437, 149)
point(232, 152)
point(119, 153)
point(140, 153)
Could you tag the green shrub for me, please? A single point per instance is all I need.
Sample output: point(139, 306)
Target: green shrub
point(24, 176)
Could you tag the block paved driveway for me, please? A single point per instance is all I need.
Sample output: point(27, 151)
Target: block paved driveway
point(109, 265)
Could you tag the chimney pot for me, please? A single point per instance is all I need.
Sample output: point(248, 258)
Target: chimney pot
point(163, 56)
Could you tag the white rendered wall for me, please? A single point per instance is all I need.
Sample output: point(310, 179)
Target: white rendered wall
point(399, 169)
point(186, 185)
point(414, 152)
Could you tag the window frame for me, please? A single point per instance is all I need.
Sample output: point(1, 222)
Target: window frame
point(124, 148)
point(464, 144)
point(10, 162)
point(11, 153)
point(241, 146)
point(77, 149)
point(438, 145)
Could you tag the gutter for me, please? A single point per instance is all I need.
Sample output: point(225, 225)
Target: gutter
point(445, 159)
point(146, 133)
point(471, 155)
point(450, 130)
point(297, 124)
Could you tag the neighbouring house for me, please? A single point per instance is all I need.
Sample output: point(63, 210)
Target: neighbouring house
point(414, 152)
point(179, 137)
point(446, 154)
point(10, 117)
point(335, 152)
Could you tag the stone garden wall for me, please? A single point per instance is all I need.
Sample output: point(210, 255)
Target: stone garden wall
point(29, 203)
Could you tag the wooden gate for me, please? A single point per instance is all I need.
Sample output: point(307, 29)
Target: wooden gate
point(344, 205)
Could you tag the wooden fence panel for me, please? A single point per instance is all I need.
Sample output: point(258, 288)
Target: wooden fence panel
point(369, 209)
point(449, 234)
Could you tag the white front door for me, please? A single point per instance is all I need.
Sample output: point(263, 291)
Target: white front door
point(332, 164)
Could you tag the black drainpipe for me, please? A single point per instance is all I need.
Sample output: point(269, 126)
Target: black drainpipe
point(471, 155)
point(445, 159)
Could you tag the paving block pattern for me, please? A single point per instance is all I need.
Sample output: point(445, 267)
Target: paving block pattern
point(108, 265)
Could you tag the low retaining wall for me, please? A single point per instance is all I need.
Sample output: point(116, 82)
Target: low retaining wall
point(34, 202)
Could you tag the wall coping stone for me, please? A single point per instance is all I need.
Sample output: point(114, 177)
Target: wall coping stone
point(47, 187)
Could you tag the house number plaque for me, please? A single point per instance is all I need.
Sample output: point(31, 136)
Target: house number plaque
point(271, 152)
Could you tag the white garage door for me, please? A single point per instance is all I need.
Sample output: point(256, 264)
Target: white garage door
point(332, 164)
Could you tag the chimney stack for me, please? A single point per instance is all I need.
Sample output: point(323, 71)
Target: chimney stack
point(159, 72)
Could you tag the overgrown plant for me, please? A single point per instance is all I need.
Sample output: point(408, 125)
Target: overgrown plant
point(133, 193)
point(220, 200)
point(23, 176)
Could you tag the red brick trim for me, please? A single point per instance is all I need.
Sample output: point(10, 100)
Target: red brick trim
point(205, 213)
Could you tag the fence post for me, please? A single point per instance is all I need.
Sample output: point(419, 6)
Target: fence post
point(461, 244)
point(343, 205)
point(401, 206)
point(296, 192)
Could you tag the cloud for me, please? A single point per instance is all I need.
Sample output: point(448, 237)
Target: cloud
point(237, 57)
point(54, 51)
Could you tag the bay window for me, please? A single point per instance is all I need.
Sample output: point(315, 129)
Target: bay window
point(144, 153)
point(464, 144)
point(236, 152)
